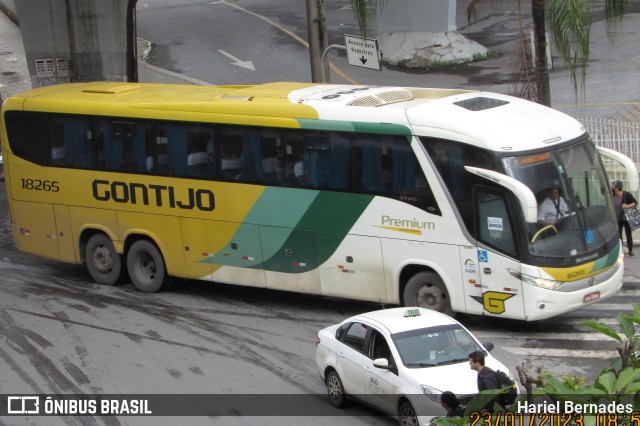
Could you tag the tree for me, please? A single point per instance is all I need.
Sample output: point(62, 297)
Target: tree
point(568, 20)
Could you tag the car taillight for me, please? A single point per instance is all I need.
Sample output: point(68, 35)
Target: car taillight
point(317, 341)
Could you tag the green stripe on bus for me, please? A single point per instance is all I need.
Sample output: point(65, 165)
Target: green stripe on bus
point(334, 125)
point(333, 213)
point(608, 260)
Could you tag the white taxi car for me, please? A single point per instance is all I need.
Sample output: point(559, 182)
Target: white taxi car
point(400, 361)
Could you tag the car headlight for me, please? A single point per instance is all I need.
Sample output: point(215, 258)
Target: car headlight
point(433, 393)
point(538, 282)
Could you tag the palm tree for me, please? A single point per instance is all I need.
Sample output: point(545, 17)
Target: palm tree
point(568, 20)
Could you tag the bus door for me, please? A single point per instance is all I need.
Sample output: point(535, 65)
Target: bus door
point(497, 253)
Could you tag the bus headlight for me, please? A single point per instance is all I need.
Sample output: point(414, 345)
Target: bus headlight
point(541, 282)
point(620, 260)
point(433, 393)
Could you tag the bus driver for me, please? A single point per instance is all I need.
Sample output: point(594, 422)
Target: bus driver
point(552, 208)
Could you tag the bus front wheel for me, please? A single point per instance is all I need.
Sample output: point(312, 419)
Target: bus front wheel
point(102, 260)
point(146, 267)
point(427, 290)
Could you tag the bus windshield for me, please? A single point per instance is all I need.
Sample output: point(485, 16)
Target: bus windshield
point(575, 214)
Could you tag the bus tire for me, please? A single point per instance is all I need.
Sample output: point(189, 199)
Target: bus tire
point(427, 290)
point(146, 267)
point(103, 262)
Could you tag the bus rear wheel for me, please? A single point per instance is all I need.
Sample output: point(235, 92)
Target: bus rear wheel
point(427, 290)
point(103, 262)
point(146, 267)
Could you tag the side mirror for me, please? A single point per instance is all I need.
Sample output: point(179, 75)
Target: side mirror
point(525, 197)
point(488, 346)
point(381, 363)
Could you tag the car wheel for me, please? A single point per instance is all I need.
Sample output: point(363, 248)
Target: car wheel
point(407, 415)
point(146, 267)
point(103, 262)
point(426, 290)
point(335, 390)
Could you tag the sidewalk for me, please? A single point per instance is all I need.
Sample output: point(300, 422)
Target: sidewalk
point(14, 74)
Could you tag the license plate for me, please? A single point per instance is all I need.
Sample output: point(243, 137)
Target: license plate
point(591, 297)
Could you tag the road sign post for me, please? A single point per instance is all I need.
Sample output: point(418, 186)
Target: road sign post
point(362, 52)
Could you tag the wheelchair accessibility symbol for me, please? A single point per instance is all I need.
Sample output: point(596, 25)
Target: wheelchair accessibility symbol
point(483, 256)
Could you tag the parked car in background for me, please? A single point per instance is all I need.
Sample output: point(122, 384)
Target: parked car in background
point(400, 361)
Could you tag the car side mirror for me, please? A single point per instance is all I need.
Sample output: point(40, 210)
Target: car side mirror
point(488, 346)
point(381, 363)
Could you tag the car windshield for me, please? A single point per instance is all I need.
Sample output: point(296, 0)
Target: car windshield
point(433, 346)
point(577, 217)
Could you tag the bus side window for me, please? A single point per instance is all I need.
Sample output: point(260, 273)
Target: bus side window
point(406, 178)
point(369, 164)
point(120, 145)
point(230, 153)
point(71, 142)
point(294, 152)
point(328, 160)
point(27, 134)
point(171, 150)
point(253, 154)
point(58, 153)
point(199, 159)
point(271, 152)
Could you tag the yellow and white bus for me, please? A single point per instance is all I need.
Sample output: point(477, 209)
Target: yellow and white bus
point(413, 196)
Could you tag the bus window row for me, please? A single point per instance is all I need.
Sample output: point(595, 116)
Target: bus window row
point(344, 161)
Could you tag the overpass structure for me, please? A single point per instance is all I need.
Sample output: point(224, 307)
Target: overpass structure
point(76, 40)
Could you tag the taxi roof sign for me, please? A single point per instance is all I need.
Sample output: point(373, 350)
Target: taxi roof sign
point(415, 312)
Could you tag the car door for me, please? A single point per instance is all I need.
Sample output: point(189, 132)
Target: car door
point(379, 383)
point(351, 359)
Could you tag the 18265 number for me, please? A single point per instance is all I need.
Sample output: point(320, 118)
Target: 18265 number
point(40, 185)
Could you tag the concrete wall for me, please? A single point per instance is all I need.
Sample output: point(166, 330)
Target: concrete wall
point(434, 16)
point(75, 40)
point(8, 7)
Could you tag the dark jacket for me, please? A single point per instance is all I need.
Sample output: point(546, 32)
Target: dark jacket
point(456, 412)
point(487, 379)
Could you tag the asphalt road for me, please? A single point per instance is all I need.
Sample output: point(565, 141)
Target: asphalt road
point(61, 333)
point(190, 37)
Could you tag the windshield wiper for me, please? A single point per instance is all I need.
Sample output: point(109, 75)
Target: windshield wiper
point(452, 361)
point(420, 364)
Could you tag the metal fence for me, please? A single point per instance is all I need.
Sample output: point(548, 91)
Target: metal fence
point(621, 136)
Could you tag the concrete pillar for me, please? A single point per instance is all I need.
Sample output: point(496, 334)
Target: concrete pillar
point(434, 16)
point(78, 40)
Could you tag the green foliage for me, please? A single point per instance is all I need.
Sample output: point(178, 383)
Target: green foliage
point(570, 23)
point(365, 12)
point(629, 350)
point(482, 57)
point(620, 382)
